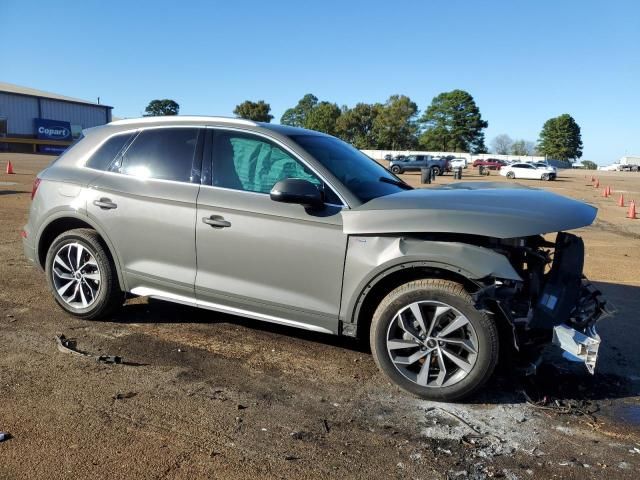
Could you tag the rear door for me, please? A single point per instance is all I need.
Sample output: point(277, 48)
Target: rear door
point(263, 259)
point(146, 204)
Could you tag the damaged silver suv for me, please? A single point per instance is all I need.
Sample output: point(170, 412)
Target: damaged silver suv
point(295, 227)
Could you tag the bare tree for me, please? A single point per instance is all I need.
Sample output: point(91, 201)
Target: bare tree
point(530, 147)
point(523, 147)
point(502, 144)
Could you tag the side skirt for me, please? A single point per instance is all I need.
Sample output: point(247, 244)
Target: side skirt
point(193, 302)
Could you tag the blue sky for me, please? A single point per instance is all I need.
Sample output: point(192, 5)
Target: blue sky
point(524, 62)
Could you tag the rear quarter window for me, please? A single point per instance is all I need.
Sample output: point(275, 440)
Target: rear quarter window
point(103, 157)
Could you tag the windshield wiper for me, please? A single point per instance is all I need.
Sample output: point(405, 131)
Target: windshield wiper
point(398, 183)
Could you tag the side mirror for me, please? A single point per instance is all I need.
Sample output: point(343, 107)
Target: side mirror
point(297, 190)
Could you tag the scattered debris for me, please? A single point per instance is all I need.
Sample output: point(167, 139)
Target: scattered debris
point(109, 359)
point(240, 407)
point(458, 474)
point(325, 425)
point(564, 407)
point(4, 436)
point(301, 435)
point(291, 458)
point(67, 345)
point(122, 396)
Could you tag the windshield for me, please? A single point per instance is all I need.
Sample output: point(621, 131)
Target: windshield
point(363, 176)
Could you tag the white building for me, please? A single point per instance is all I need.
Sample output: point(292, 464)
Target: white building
point(629, 160)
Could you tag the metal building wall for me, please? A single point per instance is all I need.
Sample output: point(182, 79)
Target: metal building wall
point(19, 112)
point(85, 115)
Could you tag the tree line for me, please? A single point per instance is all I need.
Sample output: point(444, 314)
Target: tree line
point(452, 122)
point(560, 138)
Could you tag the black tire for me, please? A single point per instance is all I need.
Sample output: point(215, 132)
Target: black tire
point(437, 171)
point(451, 294)
point(109, 296)
point(545, 177)
point(511, 175)
point(396, 169)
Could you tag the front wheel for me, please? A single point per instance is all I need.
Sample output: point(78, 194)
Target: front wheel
point(396, 169)
point(436, 171)
point(545, 177)
point(82, 275)
point(511, 175)
point(430, 340)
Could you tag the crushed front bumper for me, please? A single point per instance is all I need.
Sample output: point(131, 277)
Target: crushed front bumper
point(577, 346)
point(578, 337)
point(582, 345)
point(563, 305)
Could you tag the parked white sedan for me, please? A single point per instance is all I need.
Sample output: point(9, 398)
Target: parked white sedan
point(527, 170)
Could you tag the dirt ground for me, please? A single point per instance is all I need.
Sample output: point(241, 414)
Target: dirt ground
point(206, 395)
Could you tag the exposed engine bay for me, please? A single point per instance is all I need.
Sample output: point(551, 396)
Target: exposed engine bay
point(554, 302)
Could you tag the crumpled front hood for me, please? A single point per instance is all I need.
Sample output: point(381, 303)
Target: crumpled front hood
point(478, 208)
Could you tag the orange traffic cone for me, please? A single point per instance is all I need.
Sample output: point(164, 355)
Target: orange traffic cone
point(609, 191)
point(621, 201)
point(605, 192)
point(632, 210)
point(10, 168)
point(597, 185)
point(593, 179)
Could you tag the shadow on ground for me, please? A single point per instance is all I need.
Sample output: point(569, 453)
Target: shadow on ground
point(11, 192)
point(556, 379)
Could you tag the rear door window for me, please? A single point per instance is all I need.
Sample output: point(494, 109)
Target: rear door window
point(162, 153)
point(105, 154)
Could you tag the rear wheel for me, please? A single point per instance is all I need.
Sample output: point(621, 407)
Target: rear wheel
point(511, 175)
point(82, 275)
point(430, 340)
point(396, 169)
point(436, 170)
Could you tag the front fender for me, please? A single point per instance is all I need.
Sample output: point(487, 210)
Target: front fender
point(370, 259)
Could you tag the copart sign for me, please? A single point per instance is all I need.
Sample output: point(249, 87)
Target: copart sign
point(52, 129)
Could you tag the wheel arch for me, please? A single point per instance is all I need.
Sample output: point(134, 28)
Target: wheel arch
point(376, 289)
point(64, 222)
point(376, 265)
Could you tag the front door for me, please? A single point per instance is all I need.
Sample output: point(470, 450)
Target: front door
point(259, 258)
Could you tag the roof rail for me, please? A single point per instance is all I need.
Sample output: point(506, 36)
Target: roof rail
point(183, 118)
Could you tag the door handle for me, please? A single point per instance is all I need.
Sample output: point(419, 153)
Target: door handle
point(216, 221)
point(105, 204)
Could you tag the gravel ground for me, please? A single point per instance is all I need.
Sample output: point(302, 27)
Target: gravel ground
point(206, 395)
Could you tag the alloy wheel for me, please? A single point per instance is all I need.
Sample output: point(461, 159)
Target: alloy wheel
point(432, 344)
point(76, 275)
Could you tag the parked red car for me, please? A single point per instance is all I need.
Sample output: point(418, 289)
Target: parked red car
point(491, 163)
